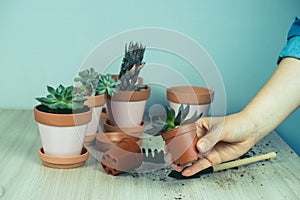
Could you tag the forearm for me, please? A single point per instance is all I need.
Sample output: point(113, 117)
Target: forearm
point(278, 98)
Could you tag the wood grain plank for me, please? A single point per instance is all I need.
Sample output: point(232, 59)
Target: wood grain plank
point(22, 176)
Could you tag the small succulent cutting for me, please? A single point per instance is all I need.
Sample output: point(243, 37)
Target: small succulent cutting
point(107, 84)
point(89, 79)
point(132, 64)
point(163, 123)
point(62, 98)
point(93, 83)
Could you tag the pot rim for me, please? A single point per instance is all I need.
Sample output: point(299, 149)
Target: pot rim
point(190, 95)
point(131, 131)
point(129, 96)
point(178, 131)
point(95, 101)
point(62, 120)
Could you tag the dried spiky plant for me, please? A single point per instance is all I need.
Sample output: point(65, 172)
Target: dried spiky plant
point(131, 66)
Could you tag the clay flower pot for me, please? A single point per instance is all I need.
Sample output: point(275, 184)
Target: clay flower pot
point(95, 103)
point(131, 131)
point(62, 135)
point(181, 144)
point(126, 108)
point(199, 98)
point(107, 140)
point(125, 156)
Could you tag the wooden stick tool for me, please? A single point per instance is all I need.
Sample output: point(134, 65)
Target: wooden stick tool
point(223, 166)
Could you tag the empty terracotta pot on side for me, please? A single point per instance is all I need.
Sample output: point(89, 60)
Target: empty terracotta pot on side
point(107, 140)
point(181, 144)
point(199, 98)
point(126, 108)
point(125, 156)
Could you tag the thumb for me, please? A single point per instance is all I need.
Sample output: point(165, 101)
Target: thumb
point(208, 141)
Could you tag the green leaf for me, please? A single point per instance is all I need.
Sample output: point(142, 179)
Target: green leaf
point(77, 79)
point(101, 91)
point(58, 96)
point(79, 99)
point(185, 112)
point(170, 115)
point(157, 130)
point(60, 89)
point(50, 96)
point(194, 118)
point(68, 98)
point(69, 91)
point(109, 91)
point(177, 120)
point(51, 90)
point(77, 105)
point(44, 100)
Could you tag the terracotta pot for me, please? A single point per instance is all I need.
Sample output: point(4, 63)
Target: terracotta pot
point(64, 162)
point(125, 156)
point(107, 140)
point(126, 108)
point(181, 144)
point(95, 103)
point(132, 131)
point(62, 135)
point(199, 98)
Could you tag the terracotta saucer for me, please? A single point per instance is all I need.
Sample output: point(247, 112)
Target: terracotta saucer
point(64, 162)
point(132, 131)
point(109, 139)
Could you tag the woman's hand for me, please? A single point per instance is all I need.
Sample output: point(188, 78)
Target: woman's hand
point(226, 138)
point(220, 139)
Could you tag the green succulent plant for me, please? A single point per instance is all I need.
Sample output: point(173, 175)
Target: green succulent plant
point(107, 84)
point(163, 123)
point(89, 79)
point(62, 98)
point(129, 81)
point(132, 64)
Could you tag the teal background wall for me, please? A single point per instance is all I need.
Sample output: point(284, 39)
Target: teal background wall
point(45, 42)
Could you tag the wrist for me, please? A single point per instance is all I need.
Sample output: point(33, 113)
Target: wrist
point(255, 126)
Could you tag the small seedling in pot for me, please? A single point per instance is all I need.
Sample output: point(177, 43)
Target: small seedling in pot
point(107, 84)
point(163, 123)
point(62, 100)
point(93, 83)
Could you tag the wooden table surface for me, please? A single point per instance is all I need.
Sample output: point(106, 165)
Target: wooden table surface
point(22, 176)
